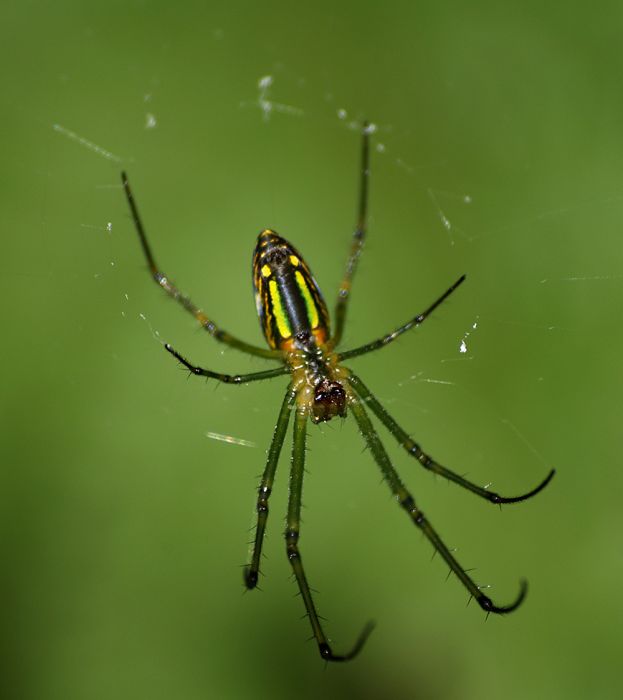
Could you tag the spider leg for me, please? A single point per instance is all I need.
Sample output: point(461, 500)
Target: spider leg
point(413, 323)
point(251, 572)
point(163, 281)
point(425, 460)
point(406, 501)
point(228, 378)
point(292, 548)
point(359, 235)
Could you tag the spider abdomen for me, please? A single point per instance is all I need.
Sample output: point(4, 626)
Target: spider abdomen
point(289, 304)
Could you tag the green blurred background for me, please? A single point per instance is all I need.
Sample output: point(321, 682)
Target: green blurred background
point(499, 153)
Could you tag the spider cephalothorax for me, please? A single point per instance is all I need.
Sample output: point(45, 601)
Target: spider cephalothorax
point(329, 401)
point(295, 322)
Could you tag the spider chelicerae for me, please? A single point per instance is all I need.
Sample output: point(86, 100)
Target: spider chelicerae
point(295, 322)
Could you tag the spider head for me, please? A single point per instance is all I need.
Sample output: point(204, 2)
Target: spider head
point(329, 401)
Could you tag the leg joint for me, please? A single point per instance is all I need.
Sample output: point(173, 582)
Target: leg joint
point(292, 549)
point(413, 448)
point(292, 537)
point(263, 494)
point(418, 517)
point(424, 460)
point(407, 502)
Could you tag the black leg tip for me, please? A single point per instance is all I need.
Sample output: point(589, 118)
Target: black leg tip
point(496, 498)
point(327, 654)
point(325, 651)
point(250, 578)
point(489, 607)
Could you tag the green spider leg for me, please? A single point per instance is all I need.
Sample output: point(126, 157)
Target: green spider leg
point(359, 235)
point(252, 571)
point(292, 548)
point(425, 460)
point(163, 281)
point(228, 378)
point(406, 501)
point(413, 323)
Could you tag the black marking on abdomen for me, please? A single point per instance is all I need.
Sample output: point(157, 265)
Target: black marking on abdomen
point(292, 301)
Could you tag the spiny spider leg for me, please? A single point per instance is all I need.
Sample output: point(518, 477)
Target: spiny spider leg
point(413, 323)
point(406, 501)
point(359, 235)
point(251, 572)
point(292, 549)
point(427, 462)
point(228, 378)
point(163, 281)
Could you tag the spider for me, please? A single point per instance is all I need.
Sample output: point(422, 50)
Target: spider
point(295, 323)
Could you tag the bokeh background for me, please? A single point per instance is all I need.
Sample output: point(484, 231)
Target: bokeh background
point(498, 153)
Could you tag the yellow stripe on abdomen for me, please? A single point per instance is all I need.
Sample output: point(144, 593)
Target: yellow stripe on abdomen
point(312, 309)
point(283, 325)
